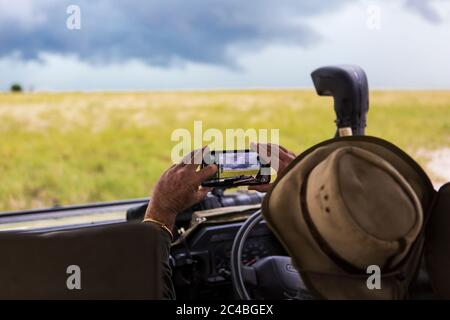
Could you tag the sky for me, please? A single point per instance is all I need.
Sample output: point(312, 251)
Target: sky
point(212, 44)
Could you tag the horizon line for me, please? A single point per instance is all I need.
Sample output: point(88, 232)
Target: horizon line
point(310, 88)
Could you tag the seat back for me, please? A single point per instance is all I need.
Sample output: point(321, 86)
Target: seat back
point(437, 240)
point(107, 262)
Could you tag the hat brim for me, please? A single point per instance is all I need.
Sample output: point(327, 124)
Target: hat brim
point(283, 212)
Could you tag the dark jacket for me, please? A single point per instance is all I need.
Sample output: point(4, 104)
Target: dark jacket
point(166, 270)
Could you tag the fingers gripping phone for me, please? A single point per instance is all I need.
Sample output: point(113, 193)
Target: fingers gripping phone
point(236, 168)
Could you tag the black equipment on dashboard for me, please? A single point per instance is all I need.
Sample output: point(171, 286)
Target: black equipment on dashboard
point(216, 199)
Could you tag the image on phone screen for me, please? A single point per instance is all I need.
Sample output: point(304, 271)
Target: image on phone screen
point(236, 168)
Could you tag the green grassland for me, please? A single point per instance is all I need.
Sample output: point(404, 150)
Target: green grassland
point(68, 148)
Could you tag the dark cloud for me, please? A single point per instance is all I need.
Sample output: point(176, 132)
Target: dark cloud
point(425, 9)
point(159, 32)
point(162, 32)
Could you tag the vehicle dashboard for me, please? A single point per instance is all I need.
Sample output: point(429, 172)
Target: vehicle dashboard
point(201, 263)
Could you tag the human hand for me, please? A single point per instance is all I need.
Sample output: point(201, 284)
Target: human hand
point(178, 188)
point(267, 153)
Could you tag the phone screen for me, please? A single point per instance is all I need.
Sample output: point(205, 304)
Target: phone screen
point(236, 168)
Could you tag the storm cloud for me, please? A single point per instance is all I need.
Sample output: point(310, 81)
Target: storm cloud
point(161, 32)
point(158, 32)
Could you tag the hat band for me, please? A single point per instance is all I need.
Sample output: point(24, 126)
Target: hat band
point(321, 242)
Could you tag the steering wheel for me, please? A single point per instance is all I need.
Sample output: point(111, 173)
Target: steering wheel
point(274, 276)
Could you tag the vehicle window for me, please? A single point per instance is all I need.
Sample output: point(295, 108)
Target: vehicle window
point(98, 99)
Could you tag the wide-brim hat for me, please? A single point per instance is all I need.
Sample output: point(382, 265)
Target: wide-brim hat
point(348, 209)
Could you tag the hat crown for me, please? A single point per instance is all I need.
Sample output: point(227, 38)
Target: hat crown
point(362, 207)
point(374, 194)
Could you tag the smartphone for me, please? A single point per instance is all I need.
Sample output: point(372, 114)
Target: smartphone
point(236, 168)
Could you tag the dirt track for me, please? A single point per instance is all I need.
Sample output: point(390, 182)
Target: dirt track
point(438, 165)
